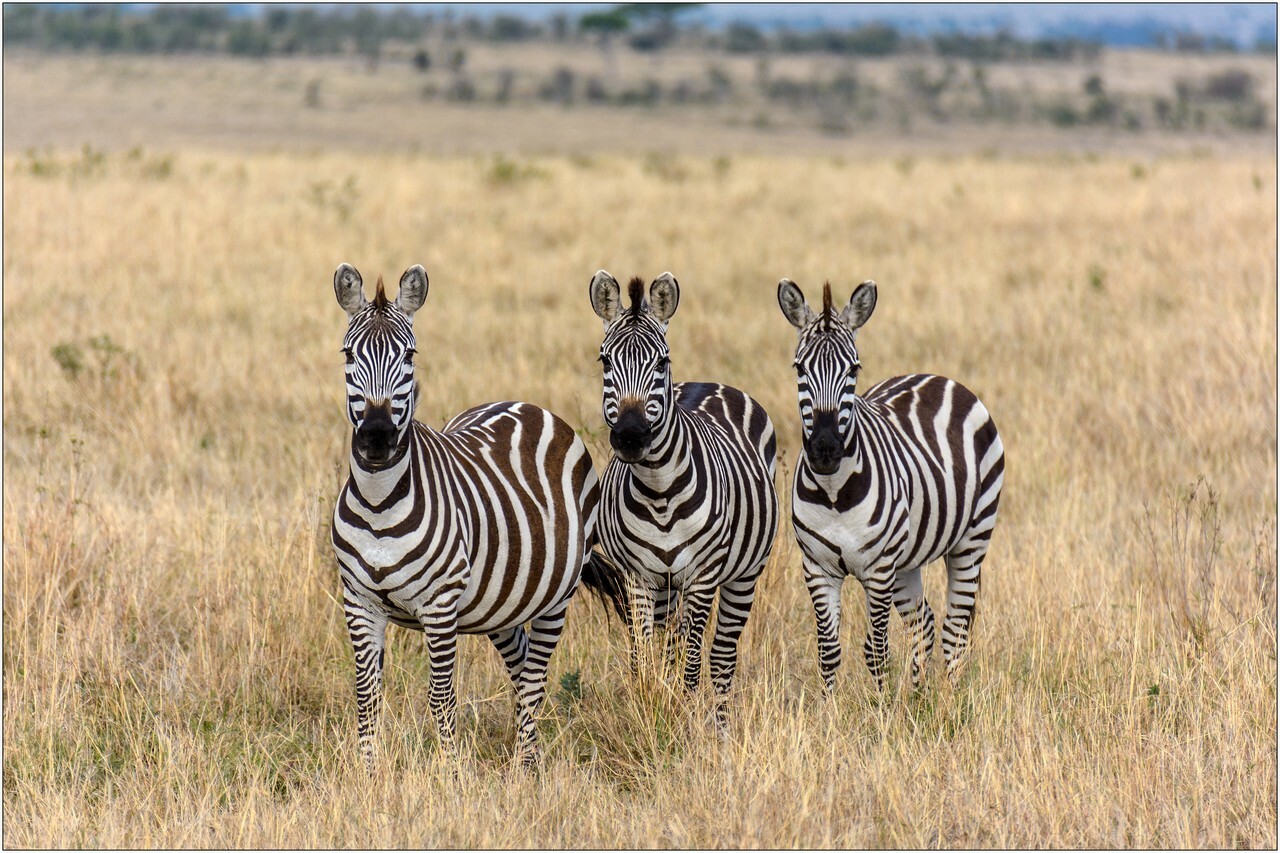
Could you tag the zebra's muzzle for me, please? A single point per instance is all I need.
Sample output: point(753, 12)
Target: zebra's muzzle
point(630, 436)
point(823, 447)
point(376, 438)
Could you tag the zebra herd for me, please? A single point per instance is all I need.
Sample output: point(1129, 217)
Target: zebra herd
point(489, 525)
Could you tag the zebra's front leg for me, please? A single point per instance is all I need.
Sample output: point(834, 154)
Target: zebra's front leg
point(736, 598)
point(696, 610)
point(440, 628)
point(917, 618)
point(531, 687)
point(875, 649)
point(367, 630)
point(666, 602)
point(642, 602)
point(824, 591)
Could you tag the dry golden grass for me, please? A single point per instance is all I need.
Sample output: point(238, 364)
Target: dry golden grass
point(176, 671)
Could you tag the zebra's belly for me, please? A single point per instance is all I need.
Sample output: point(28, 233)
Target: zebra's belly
point(495, 595)
point(501, 594)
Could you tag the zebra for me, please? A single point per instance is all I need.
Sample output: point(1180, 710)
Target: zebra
point(477, 529)
point(688, 504)
point(885, 484)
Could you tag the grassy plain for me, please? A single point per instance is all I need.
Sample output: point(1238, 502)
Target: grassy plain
point(176, 671)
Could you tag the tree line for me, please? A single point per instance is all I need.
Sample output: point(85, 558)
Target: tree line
point(288, 30)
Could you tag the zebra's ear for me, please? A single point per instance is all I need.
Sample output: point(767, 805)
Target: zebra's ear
point(413, 289)
point(860, 306)
point(349, 288)
point(664, 296)
point(606, 296)
point(792, 303)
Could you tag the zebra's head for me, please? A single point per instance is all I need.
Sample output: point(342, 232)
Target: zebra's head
point(379, 346)
point(636, 362)
point(826, 368)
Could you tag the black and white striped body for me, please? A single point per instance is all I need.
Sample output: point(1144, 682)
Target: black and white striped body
point(482, 528)
point(888, 483)
point(688, 504)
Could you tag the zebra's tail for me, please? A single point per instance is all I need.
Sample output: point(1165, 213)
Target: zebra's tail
point(609, 584)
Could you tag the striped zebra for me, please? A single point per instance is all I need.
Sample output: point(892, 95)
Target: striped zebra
point(887, 483)
point(478, 529)
point(688, 505)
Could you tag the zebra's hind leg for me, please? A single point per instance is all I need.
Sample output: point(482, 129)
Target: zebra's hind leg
point(513, 645)
point(964, 576)
point(697, 607)
point(736, 598)
point(875, 649)
point(824, 591)
point(368, 631)
point(917, 618)
point(531, 685)
point(964, 570)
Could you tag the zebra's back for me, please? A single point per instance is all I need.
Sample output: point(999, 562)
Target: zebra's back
point(734, 411)
point(951, 452)
point(531, 495)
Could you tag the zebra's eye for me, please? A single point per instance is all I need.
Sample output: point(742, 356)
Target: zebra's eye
point(408, 356)
point(605, 362)
point(663, 363)
point(351, 358)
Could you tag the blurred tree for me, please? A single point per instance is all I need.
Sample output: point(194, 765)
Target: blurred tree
point(658, 21)
point(605, 26)
point(247, 38)
point(743, 38)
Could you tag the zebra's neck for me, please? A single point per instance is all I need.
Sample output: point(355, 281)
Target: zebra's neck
point(668, 461)
point(376, 485)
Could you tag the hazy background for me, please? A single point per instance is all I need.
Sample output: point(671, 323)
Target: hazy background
point(665, 77)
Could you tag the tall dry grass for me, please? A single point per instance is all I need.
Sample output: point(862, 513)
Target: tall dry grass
point(176, 671)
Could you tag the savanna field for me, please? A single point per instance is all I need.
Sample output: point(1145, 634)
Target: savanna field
point(176, 667)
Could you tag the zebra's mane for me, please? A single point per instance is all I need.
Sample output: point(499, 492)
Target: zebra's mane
point(635, 292)
point(827, 312)
point(380, 298)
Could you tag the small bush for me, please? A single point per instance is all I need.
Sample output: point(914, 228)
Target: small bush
point(504, 172)
point(1232, 84)
point(69, 357)
point(1063, 115)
